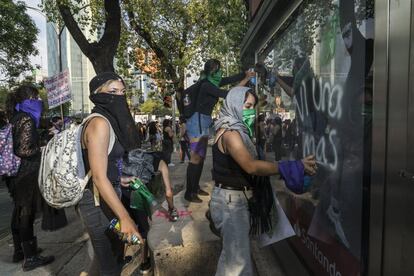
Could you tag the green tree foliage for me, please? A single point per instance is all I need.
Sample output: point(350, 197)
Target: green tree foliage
point(182, 33)
point(150, 106)
point(18, 35)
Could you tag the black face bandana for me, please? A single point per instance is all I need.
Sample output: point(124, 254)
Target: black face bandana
point(115, 109)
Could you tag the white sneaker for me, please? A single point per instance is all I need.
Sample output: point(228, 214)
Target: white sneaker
point(171, 165)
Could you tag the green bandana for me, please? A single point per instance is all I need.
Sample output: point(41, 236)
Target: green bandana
point(215, 78)
point(249, 117)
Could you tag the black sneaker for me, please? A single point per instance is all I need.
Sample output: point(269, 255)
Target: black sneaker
point(145, 267)
point(173, 214)
point(18, 255)
point(202, 193)
point(36, 261)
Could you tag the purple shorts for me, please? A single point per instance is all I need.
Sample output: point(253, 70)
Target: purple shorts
point(199, 146)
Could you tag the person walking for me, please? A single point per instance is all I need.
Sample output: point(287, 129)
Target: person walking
point(199, 123)
point(277, 137)
point(152, 134)
point(234, 165)
point(24, 113)
point(167, 141)
point(184, 140)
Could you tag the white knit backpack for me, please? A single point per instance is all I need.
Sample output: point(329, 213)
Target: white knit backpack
point(62, 177)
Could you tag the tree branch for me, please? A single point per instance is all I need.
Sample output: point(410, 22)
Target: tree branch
point(112, 33)
point(157, 50)
point(101, 53)
point(74, 29)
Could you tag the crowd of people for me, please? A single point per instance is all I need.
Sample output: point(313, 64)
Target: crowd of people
point(240, 173)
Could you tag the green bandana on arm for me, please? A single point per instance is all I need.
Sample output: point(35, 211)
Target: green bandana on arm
point(215, 78)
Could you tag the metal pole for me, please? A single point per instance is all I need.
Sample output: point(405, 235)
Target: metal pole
point(82, 110)
point(173, 116)
point(60, 70)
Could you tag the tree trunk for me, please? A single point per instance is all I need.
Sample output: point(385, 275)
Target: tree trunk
point(102, 53)
point(102, 63)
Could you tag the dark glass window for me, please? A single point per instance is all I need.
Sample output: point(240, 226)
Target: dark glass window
point(318, 81)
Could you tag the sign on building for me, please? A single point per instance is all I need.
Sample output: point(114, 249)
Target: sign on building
point(58, 89)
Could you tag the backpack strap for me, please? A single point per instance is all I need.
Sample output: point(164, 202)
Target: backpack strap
point(112, 138)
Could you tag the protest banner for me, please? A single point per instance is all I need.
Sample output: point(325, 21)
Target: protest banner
point(58, 89)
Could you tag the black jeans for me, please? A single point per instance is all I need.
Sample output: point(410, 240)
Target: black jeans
point(108, 251)
point(184, 150)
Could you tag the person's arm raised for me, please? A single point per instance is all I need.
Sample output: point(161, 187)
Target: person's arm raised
point(97, 141)
point(234, 146)
point(285, 86)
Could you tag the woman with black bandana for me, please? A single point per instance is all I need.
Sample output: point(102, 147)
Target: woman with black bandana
point(108, 94)
point(235, 172)
point(199, 123)
point(24, 112)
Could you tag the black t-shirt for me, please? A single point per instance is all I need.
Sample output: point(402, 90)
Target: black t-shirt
point(209, 93)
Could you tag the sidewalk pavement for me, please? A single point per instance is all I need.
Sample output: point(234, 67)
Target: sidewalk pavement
point(70, 245)
point(186, 247)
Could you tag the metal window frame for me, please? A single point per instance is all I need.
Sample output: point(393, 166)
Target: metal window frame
point(379, 138)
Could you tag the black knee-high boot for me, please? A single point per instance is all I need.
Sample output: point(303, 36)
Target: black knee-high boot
point(197, 189)
point(191, 192)
point(188, 190)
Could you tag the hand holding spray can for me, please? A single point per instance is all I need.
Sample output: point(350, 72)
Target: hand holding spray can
point(252, 79)
point(115, 226)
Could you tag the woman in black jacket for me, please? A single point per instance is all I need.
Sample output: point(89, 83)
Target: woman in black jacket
point(24, 111)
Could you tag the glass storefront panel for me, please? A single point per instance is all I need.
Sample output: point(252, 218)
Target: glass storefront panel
point(322, 57)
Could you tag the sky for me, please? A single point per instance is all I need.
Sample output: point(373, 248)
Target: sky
point(41, 45)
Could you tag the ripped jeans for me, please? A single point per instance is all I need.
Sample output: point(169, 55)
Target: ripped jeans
point(230, 214)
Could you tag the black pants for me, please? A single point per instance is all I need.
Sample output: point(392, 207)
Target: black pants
point(24, 193)
point(108, 249)
point(277, 148)
point(184, 150)
point(139, 216)
point(22, 226)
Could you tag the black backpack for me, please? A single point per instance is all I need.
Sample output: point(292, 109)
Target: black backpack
point(188, 102)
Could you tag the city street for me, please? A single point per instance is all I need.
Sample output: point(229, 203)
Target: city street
point(70, 245)
point(321, 90)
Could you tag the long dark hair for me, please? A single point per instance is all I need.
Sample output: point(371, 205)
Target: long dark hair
point(3, 120)
point(23, 92)
point(152, 128)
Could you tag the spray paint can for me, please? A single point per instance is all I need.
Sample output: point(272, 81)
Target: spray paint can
point(252, 79)
point(115, 226)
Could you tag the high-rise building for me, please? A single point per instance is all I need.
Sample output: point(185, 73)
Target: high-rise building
point(72, 58)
